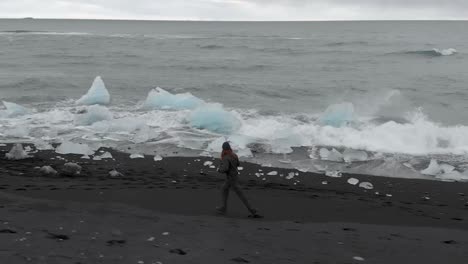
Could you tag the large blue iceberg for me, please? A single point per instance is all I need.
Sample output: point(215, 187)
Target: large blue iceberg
point(97, 94)
point(214, 118)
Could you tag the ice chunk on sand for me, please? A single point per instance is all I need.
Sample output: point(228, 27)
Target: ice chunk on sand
point(333, 155)
point(434, 168)
point(17, 153)
point(14, 110)
point(366, 185)
point(240, 168)
point(42, 145)
point(137, 156)
point(453, 176)
point(214, 118)
point(105, 155)
point(351, 155)
point(47, 170)
point(68, 147)
point(97, 94)
point(358, 258)
point(93, 114)
point(158, 158)
point(161, 99)
point(115, 173)
point(272, 173)
point(71, 169)
point(290, 176)
point(338, 115)
point(334, 174)
point(353, 181)
point(207, 163)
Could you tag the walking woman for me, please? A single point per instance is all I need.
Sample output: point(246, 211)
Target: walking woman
point(229, 164)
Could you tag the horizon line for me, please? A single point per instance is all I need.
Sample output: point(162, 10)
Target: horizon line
point(201, 20)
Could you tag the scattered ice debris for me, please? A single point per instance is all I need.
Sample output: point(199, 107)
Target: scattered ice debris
point(97, 94)
point(165, 233)
point(334, 174)
point(137, 156)
point(150, 239)
point(207, 163)
point(324, 182)
point(68, 147)
point(333, 155)
point(48, 170)
point(15, 110)
point(358, 258)
point(71, 169)
point(351, 155)
point(366, 185)
point(17, 153)
point(272, 173)
point(353, 181)
point(158, 158)
point(290, 176)
point(115, 173)
point(240, 168)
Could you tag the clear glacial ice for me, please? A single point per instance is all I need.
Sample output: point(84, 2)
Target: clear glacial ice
point(97, 94)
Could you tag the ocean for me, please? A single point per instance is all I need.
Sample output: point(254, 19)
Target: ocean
point(383, 98)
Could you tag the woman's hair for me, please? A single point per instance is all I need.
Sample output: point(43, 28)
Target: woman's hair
point(227, 150)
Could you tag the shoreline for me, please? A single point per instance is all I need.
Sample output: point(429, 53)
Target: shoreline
point(305, 220)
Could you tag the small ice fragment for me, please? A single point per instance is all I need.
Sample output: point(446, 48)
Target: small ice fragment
point(240, 168)
point(85, 157)
point(290, 175)
point(207, 163)
point(212, 167)
point(264, 179)
point(272, 173)
point(150, 239)
point(17, 153)
point(432, 169)
point(165, 233)
point(353, 181)
point(115, 173)
point(137, 156)
point(358, 258)
point(141, 262)
point(68, 147)
point(334, 174)
point(324, 182)
point(97, 94)
point(333, 155)
point(388, 195)
point(71, 169)
point(47, 170)
point(257, 174)
point(27, 148)
point(158, 158)
point(296, 174)
point(351, 155)
point(366, 185)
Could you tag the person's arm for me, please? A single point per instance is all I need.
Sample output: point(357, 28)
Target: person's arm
point(224, 167)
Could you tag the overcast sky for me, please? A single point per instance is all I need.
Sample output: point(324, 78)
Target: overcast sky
point(237, 9)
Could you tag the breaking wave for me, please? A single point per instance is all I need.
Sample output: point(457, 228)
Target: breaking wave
point(433, 52)
point(186, 121)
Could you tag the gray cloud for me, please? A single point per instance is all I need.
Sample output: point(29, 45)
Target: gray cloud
point(238, 9)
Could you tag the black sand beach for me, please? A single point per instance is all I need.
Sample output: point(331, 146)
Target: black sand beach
point(163, 212)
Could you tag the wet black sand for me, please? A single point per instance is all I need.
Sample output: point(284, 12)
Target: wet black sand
point(305, 221)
